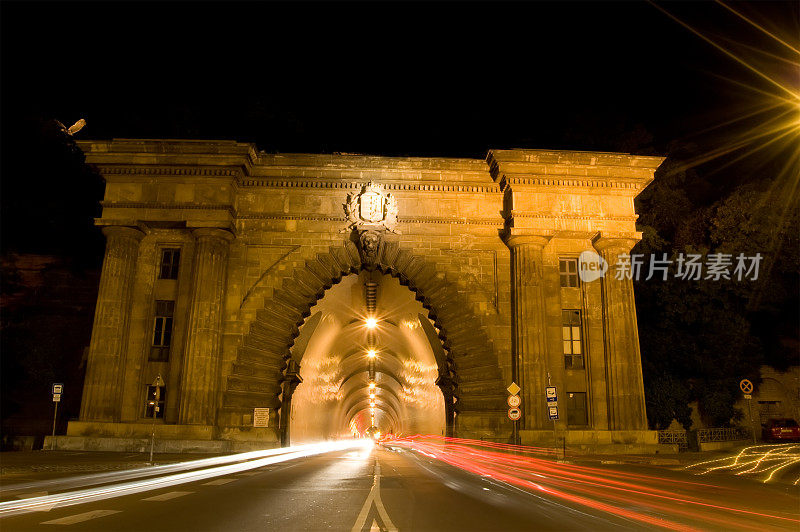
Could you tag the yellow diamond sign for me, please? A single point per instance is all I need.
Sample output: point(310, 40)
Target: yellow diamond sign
point(514, 388)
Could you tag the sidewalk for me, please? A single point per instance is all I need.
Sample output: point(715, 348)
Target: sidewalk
point(20, 465)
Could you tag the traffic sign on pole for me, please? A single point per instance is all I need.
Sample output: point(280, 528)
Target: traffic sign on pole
point(550, 394)
point(514, 401)
point(514, 388)
point(58, 388)
point(514, 414)
point(747, 388)
point(552, 411)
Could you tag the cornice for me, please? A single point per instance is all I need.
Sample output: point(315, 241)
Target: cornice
point(171, 206)
point(572, 216)
point(601, 182)
point(489, 188)
point(169, 170)
point(498, 222)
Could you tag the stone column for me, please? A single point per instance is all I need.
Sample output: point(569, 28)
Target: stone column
point(529, 342)
point(291, 380)
point(104, 370)
point(626, 410)
point(204, 329)
point(447, 385)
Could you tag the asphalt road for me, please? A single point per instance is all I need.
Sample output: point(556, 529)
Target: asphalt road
point(374, 489)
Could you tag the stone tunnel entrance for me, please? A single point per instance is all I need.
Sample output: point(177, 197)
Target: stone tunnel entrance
point(236, 286)
point(369, 359)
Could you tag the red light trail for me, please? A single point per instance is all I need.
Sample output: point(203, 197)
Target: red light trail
point(651, 500)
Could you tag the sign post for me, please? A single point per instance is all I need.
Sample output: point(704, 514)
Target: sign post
point(514, 412)
point(58, 389)
point(551, 397)
point(158, 383)
point(747, 388)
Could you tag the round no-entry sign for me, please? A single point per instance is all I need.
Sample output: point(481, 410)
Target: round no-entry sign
point(746, 386)
point(514, 414)
point(514, 401)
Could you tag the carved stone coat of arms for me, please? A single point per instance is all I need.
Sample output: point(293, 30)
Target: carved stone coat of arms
point(371, 207)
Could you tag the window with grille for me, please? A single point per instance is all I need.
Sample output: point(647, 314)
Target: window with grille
point(156, 397)
point(572, 339)
point(162, 331)
point(577, 413)
point(568, 272)
point(170, 260)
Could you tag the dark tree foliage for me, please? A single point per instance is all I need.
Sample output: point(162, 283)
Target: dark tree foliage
point(51, 256)
point(700, 338)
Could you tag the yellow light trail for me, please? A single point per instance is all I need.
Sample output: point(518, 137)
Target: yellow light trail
point(759, 459)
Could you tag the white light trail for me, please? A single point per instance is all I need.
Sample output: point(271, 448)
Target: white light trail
point(257, 459)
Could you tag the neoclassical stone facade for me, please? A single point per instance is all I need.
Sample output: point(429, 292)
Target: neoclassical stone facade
point(221, 251)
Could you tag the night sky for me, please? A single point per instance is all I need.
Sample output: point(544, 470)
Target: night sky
point(392, 79)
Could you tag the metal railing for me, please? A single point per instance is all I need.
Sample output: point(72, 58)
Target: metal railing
point(673, 437)
point(723, 434)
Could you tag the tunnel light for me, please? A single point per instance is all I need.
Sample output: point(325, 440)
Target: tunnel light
point(372, 386)
point(372, 396)
point(371, 353)
point(371, 323)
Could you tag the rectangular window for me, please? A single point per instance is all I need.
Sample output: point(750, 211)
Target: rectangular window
point(568, 272)
point(572, 339)
point(170, 260)
point(162, 331)
point(156, 396)
point(576, 409)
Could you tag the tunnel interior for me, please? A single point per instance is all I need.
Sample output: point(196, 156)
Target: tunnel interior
point(369, 358)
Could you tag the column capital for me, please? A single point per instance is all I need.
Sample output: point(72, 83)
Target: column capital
point(622, 242)
point(122, 231)
point(213, 233)
point(514, 239)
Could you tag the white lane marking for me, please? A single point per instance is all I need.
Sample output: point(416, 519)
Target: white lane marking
point(375, 526)
point(251, 473)
point(80, 518)
point(374, 497)
point(220, 481)
point(167, 496)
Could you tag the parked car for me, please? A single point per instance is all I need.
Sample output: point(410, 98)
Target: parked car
point(782, 429)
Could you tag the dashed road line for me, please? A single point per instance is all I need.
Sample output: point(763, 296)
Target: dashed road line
point(167, 496)
point(220, 481)
point(80, 518)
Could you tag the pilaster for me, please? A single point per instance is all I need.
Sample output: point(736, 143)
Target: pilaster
point(626, 407)
point(101, 390)
point(529, 342)
point(200, 376)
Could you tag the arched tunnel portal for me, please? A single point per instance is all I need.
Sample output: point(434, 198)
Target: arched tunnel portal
point(369, 359)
